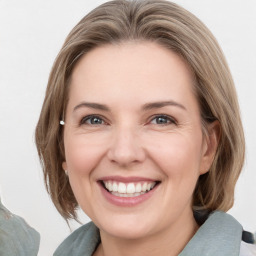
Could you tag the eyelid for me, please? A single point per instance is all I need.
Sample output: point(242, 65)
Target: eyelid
point(87, 117)
point(170, 118)
point(106, 122)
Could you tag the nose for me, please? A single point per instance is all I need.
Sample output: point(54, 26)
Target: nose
point(126, 148)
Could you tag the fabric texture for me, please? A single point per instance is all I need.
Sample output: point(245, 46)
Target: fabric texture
point(17, 238)
point(81, 242)
point(219, 235)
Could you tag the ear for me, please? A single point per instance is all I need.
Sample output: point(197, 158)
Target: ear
point(64, 166)
point(210, 145)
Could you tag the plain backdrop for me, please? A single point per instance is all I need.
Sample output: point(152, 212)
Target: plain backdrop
point(31, 34)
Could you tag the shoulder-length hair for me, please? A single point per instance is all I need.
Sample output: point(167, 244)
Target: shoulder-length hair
point(176, 29)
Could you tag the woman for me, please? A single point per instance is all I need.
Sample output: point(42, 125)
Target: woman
point(140, 127)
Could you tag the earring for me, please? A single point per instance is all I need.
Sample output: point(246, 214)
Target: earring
point(66, 172)
point(62, 122)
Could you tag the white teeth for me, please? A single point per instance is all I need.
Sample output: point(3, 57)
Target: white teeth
point(115, 187)
point(128, 189)
point(121, 188)
point(144, 187)
point(138, 188)
point(127, 195)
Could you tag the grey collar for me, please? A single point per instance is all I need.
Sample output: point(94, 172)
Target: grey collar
point(219, 235)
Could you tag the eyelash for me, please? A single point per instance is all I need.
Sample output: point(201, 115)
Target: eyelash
point(90, 117)
point(169, 120)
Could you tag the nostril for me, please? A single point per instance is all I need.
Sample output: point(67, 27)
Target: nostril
point(125, 156)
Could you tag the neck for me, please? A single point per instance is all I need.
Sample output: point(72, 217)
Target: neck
point(170, 241)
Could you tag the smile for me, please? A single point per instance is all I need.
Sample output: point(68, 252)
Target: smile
point(131, 189)
point(127, 191)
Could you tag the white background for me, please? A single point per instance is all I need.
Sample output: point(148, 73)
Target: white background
point(31, 34)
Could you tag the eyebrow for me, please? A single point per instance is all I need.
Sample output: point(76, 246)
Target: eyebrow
point(91, 105)
point(145, 107)
point(161, 104)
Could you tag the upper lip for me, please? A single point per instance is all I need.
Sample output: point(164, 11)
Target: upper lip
point(126, 179)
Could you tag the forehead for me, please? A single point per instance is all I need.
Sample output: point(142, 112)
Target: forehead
point(134, 68)
point(129, 56)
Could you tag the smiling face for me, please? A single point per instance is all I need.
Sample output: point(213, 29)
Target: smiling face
point(133, 139)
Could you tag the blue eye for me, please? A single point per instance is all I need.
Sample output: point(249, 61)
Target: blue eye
point(162, 119)
point(92, 120)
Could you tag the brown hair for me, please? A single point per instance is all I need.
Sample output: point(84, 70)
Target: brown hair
point(174, 28)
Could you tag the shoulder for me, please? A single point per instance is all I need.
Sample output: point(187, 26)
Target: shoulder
point(82, 241)
point(227, 228)
point(16, 235)
point(219, 234)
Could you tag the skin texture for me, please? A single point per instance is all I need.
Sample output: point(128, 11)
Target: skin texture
point(128, 140)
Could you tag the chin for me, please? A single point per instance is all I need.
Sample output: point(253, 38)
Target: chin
point(127, 232)
point(127, 228)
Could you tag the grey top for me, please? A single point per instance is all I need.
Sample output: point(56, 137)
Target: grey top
point(219, 235)
point(17, 238)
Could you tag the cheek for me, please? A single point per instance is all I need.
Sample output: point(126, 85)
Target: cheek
point(178, 158)
point(177, 155)
point(81, 156)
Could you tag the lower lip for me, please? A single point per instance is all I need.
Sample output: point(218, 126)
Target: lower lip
point(126, 201)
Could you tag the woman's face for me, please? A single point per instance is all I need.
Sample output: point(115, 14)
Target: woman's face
point(133, 139)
